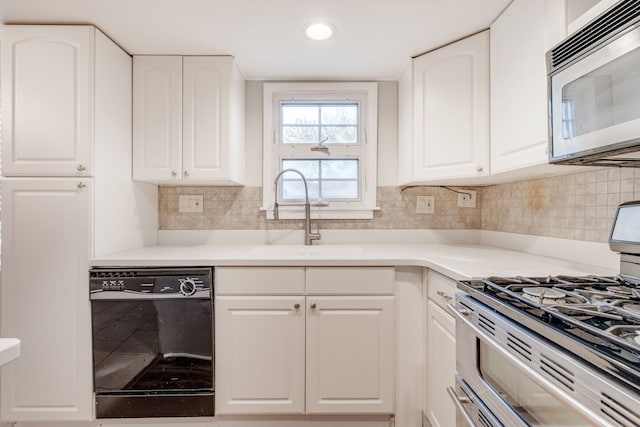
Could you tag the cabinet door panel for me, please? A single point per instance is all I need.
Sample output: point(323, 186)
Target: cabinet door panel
point(350, 354)
point(450, 111)
point(519, 39)
point(47, 100)
point(259, 355)
point(441, 366)
point(44, 271)
point(157, 118)
point(205, 92)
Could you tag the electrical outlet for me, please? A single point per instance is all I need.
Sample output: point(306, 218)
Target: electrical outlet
point(425, 204)
point(191, 204)
point(467, 199)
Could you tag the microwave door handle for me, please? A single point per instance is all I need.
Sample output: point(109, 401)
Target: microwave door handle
point(461, 315)
point(459, 402)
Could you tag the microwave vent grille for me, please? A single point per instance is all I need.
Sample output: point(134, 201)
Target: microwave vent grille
point(610, 23)
point(621, 414)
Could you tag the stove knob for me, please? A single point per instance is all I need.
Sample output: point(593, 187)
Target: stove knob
point(187, 287)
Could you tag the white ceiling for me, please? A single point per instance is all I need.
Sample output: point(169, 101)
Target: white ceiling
point(374, 40)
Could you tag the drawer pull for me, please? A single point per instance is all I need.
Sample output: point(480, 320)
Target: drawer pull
point(313, 306)
point(444, 296)
point(296, 306)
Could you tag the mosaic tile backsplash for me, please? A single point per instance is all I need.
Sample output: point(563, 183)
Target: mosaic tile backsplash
point(578, 206)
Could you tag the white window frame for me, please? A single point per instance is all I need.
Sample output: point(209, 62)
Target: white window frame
point(366, 94)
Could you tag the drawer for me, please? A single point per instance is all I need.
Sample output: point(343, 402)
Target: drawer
point(440, 289)
point(259, 280)
point(350, 280)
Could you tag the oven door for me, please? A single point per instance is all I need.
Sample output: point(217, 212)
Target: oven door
point(504, 384)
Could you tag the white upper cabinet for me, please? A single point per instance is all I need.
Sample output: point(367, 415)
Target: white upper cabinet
point(188, 120)
point(444, 113)
point(47, 100)
point(520, 38)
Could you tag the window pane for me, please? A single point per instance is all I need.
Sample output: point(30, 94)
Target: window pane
point(309, 123)
point(341, 114)
point(300, 134)
point(327, 179)
point(340, 168)
point(297, 114)
point(340, 134)
point(294, 190)
point(309, 168)
point(339, 190)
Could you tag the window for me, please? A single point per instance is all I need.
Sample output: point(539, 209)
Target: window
point(327, 132)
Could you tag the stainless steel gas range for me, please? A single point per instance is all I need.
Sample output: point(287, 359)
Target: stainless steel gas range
point(553, 350)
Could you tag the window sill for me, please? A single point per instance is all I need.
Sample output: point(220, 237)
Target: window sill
point(322, 213)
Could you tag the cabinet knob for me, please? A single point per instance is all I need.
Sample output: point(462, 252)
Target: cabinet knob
point(81, 185)
point(479, 168)
point(313, 306)
point(296, 306)
point(186, 173)
point(174, 173)
point(81, 167)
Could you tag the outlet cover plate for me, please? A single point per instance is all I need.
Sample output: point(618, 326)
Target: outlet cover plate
point(189, 203)
point(425, 204)
point(467, 200)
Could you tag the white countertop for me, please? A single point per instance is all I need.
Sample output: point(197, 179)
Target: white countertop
point(9, 350)
point(459, 261)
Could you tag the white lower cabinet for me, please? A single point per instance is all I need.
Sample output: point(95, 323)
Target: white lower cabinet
point(303, 354)
point(260, 352)
point(440, 351)
point(44, 295)
point(350, 348)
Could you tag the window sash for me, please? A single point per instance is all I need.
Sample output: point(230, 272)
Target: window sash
point(316, 123)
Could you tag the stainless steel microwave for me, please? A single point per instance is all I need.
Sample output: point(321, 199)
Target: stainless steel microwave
point(594, 91)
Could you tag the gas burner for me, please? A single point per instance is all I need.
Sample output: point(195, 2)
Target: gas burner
point(544, 296)
point(631, 334)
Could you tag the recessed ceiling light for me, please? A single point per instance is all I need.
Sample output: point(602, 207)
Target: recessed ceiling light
point(319, 31)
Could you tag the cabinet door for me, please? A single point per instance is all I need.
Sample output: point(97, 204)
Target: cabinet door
point(350, 354)
point(259, 355)
point(519, 39)
point(205, 139)
point(157, 118)
point(44, 299)
point(47, 100)
point(441, 365)
point(451, 111)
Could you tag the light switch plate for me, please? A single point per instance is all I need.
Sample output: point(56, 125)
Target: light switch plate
point(425, 204)
point(191, 203)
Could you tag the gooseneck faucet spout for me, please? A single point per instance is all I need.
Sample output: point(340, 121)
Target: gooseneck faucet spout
point(309, 237)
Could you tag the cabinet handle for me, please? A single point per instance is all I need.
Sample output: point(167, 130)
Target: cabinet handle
point(81, 185)
point(296, 306)
point(81, 167)
point(446, 297)
point(479, 168)
point(174, 173)
point(313, 306)
point(186, 173)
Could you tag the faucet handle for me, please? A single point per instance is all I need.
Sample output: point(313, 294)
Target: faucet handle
point(276, 211)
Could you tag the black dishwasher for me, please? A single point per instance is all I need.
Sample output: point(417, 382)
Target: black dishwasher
point(152, 341)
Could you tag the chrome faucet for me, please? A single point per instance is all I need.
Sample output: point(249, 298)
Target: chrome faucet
point(309, 237)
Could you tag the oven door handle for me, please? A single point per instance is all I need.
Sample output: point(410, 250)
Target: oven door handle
point(535, 376)
point(459, 402)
